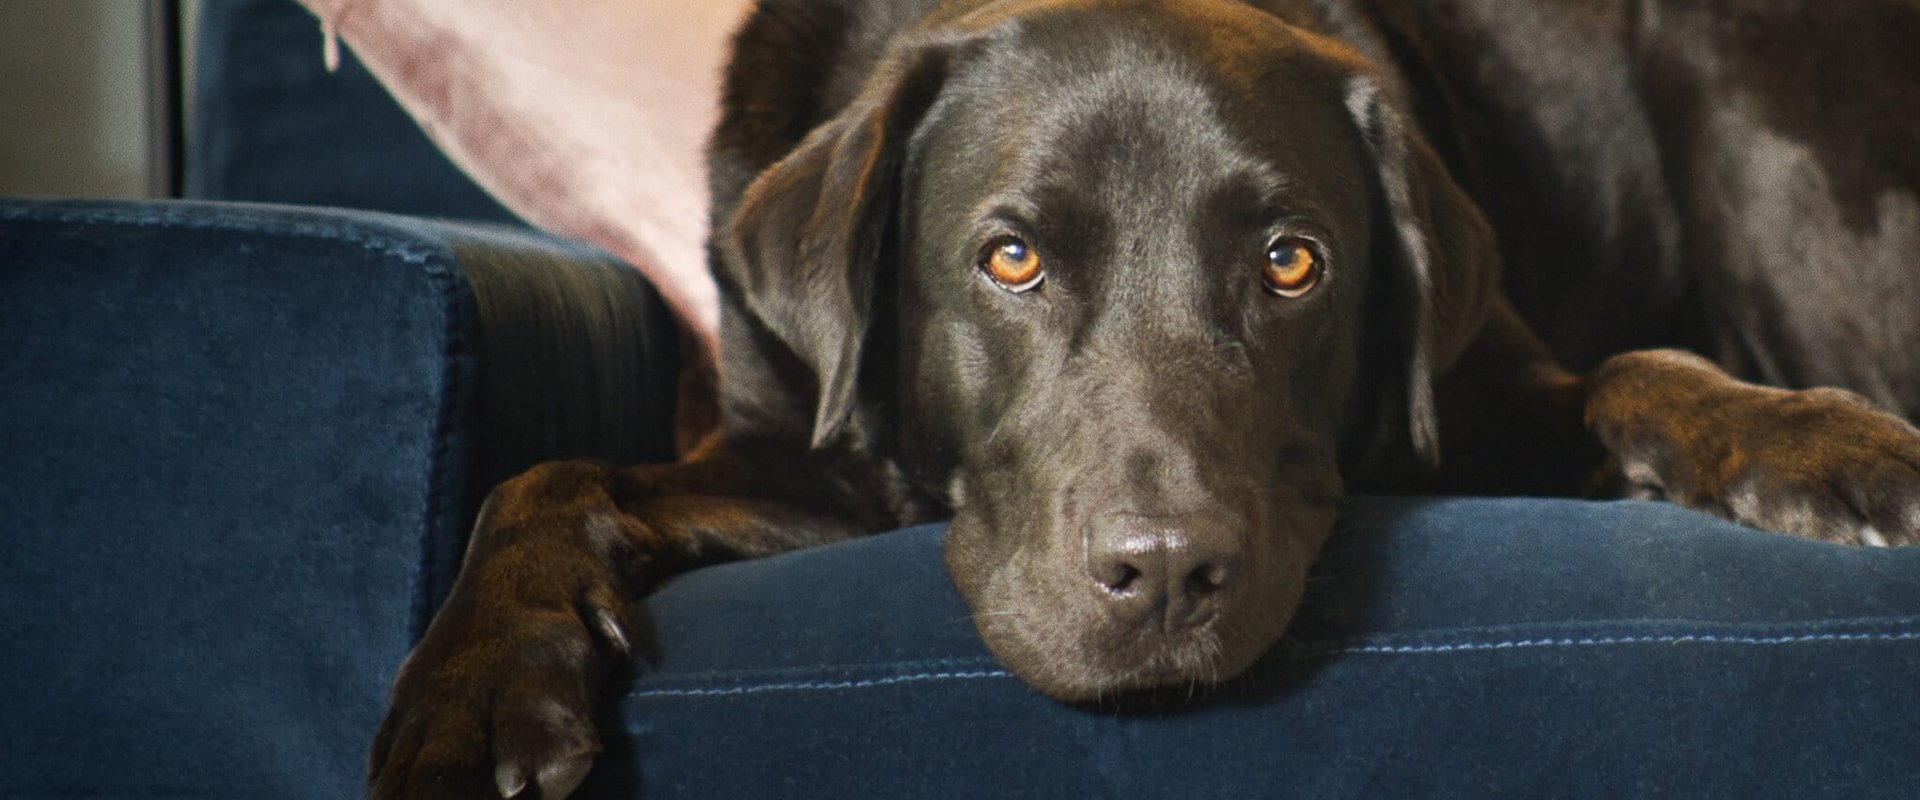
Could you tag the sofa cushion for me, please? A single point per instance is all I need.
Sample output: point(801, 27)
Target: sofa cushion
point(1451, 648)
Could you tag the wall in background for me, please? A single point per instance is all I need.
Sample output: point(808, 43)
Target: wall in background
point(74, 108)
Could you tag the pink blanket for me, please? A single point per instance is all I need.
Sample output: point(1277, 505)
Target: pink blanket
point(585, 117)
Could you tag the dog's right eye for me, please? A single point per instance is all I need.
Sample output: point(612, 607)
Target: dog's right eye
point(1292, 268)
point(1010, 262)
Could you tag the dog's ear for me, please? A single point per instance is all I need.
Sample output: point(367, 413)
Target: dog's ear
point(805, 244)
point(1447, 264)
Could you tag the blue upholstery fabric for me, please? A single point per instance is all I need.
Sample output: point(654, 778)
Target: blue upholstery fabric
point(243, 447)
point(1451, 648)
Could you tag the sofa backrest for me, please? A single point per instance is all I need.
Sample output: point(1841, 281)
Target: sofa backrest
point(271, 124)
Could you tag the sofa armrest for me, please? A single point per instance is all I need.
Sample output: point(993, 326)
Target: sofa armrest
point(244, 445)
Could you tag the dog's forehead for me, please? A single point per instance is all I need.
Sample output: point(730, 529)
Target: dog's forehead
point(1234, 41)
point(1153, 102)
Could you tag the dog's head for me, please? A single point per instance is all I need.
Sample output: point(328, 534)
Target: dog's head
point(1130, 282)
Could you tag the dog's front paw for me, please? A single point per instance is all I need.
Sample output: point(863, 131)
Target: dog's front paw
point(497, 702)
point(1821, 463)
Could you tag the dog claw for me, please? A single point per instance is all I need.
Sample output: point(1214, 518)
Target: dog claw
point(511, 780)
point(611, 630)
point(559, 779)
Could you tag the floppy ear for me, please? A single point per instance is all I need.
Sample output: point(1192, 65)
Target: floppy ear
point(1448, 264)
point(805, 244)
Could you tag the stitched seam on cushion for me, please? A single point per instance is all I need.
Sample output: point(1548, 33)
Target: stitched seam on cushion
point(444, 483)
point(1304, 653)
point(1605, 641)
point(824, 686)
point(809, 673)
point(1631, 626)
point(1603, 633)
point(283, 228)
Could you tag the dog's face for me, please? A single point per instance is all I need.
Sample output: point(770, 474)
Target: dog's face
point(1147, 267)
point(1136, 279)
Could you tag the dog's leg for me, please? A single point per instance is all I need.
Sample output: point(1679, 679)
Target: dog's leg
point(499, 698)
point(1667, 424)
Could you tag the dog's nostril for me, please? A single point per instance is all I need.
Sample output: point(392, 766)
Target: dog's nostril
point(1121, 578)
point(1208, 578)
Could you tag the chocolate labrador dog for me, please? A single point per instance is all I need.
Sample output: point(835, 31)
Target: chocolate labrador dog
point(1135, 291)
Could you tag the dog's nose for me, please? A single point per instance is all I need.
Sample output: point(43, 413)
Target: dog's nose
point(1149, 571)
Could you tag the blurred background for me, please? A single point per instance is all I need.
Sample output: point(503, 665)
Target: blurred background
point(91, 92)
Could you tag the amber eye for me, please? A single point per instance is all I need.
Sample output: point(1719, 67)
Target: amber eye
point(1292, 267)
point(1012, 263)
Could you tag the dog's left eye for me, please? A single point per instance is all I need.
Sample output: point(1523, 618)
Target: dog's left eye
point(1012, 264)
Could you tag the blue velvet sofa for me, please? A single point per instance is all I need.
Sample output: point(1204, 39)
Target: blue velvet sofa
point(244, 436)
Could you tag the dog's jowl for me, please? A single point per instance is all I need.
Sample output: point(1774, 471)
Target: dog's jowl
point(1135, 292)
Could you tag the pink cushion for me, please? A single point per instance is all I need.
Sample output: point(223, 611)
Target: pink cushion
point(588, 117)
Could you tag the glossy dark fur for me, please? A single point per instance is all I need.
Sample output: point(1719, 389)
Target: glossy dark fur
point(1142, 455)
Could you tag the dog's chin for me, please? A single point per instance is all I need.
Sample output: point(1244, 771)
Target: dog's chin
point(1071, 651)
point(1091, 675)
